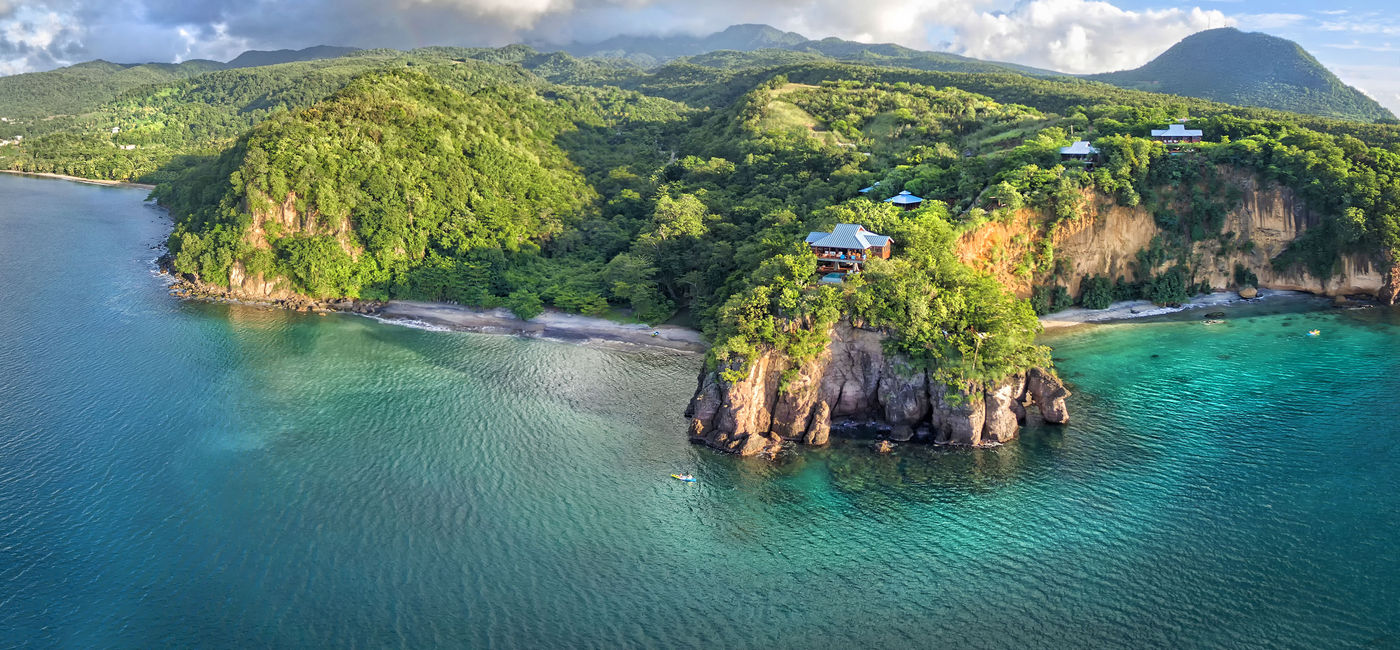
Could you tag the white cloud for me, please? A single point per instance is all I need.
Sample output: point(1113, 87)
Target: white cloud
point(214, 43)
point(33, 38)
point(1077, 35)
point(1365, 47)
point(1378, 81)
point(1365, 25)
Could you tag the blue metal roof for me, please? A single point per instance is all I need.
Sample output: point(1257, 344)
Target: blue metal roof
point(870, 189)
point(848, 235)
point(904, 198)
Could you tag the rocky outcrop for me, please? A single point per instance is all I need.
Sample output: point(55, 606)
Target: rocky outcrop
point(854, 381)
point(192, 289)
point(1105, 238)
point(1049, 394)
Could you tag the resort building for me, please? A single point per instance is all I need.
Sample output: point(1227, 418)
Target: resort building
point(846, 249)
point(905, 200)
point(1080, 151)
point(1177, 134)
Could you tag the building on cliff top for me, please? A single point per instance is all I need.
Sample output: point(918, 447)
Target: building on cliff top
point(1175, 135)
point(846, 248)
point(1080, 151)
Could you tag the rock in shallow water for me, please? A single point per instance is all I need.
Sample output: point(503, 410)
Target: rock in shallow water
point(853, 380)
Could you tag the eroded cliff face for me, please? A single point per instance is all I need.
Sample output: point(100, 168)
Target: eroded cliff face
point(279, 219)
point(1106, 238)
point(853, 380)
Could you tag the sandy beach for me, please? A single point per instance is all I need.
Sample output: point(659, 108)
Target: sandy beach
point(550, 325)
point(1143, 308)
point(76, 179)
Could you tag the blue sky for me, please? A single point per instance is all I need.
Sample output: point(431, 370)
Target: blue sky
point(1357, 39)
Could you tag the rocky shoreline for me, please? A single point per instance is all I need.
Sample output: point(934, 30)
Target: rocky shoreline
point(190, 290)
point(853, 383)
point(551, 325)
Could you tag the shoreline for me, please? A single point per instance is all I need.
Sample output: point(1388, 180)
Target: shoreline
point(79, 179)
point(552, 324)
point(1134, 309)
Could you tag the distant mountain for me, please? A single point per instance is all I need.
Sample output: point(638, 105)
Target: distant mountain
point(772, 43)
point(650, 50)
point(85, 86)
point(255, 58)
point(1249, 69)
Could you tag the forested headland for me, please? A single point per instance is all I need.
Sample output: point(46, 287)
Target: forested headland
point(507, 177)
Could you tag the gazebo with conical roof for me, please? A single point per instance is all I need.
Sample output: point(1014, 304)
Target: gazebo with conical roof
point(905, 200)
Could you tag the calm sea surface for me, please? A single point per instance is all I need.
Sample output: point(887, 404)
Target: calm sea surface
point(180, 474)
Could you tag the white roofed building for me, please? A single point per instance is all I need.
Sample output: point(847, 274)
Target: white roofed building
point(1177, 134)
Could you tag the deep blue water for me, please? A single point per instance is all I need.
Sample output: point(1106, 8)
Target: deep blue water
point(187, 474)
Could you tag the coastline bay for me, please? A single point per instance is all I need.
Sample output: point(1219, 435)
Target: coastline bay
point(176, 473)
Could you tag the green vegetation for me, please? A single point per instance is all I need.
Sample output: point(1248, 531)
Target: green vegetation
point(79, 89)
point(507, 177)
point(84, 87)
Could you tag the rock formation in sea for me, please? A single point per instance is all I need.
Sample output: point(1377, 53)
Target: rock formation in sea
point(854, 381)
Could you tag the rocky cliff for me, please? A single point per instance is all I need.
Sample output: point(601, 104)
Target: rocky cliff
point(854, 381)
point(1105, 238)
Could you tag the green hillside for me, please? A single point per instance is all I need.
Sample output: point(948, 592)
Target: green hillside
point(747, 45)
point(510, 177)
point(85, 86)
point(1249, 69)
point(1223, 65)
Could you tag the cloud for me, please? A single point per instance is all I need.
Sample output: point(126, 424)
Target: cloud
point(1369, 24)
point(1365, 47)
point(31, 38)
point(1077, 35)
point(1066, 35)
point(1378, 81)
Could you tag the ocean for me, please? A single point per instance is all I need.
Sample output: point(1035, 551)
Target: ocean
point(187, 474)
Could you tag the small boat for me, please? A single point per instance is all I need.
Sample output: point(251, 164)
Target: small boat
point(687, 478)
point(1314, 332)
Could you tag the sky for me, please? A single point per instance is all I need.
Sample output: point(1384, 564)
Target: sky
point(1358, 39)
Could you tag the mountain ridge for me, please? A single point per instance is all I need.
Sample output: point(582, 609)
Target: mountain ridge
point(1249, 69)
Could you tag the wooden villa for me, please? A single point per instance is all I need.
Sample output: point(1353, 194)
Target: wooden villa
point(1177, 134)
point(847, 248)
point(905, 200)
point(1080, 151)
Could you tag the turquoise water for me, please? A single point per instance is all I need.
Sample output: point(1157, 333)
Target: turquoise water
point(187, 474)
